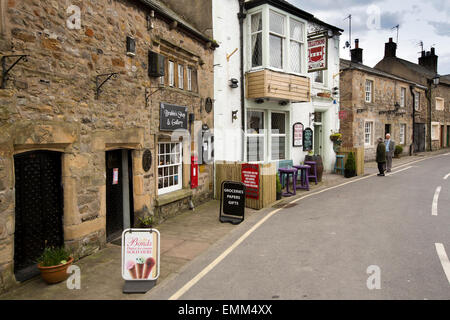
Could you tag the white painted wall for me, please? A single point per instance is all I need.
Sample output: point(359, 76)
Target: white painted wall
point(227, 133)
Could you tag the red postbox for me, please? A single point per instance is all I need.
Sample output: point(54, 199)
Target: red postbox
point(194, 172)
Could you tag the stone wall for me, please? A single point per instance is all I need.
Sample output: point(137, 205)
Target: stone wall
point(50, 104)
point(441, 116)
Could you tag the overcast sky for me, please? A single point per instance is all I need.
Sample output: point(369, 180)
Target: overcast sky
point(427, 21)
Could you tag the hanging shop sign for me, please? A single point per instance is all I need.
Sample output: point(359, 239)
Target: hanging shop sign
point(173, 117)
point(250, 178)
point(140, 259)
point(232, 202)
point(297, 135)
point(308, 139)
point(317, 54)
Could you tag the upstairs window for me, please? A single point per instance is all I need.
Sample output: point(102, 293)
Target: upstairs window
point(318, 77)
point(180, 76)
point(171, 74)
point(296, 46)
point(276, 38)
point(440, 104)
point(189, 79)
point(417, 101)
point(369, 91)
point(256, 38)
point(403, 97)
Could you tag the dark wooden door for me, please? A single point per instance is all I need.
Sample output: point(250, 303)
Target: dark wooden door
point(114, 195)
point(39, 209)
point(419, 137)
point(442, 136)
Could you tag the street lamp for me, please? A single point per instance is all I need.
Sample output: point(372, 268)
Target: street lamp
point(436, 80)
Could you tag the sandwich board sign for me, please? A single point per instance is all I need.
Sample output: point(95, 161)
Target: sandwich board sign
point(140, 259)
point(232, 202)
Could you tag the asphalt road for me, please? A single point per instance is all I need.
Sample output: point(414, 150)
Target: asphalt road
point(322, 246)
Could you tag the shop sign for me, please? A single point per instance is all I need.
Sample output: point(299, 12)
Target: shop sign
point(317, 54)
point(308, 139)
point(298, 135)
point(173, 117)
point(140, 254)
point(232, 206)
point(250, 178)
point(342, 115)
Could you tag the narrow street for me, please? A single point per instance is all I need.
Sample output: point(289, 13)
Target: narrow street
point(321, 246)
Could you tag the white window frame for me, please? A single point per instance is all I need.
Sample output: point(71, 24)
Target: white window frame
point(283, 38)
point(189, 79)
point(171, 74)
point(442, 102)
point(179, 165)
point(402, 133)
point(180, 76)
point(368, 89)
point(255, 34)
point(435, 131)
point(402, 97)
point(302, 47)
point(262, 134)
point(274, 135)
point(370, 143)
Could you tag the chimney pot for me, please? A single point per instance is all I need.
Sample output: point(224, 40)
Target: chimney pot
point(390, 49)
point(356, 43)
point(391, 40)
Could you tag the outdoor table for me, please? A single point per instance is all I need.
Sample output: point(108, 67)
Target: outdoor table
point(304, 177)
point(288, 172)
point(313, 165)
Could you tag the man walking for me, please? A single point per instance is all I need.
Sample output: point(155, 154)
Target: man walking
point(390, 147)
point(381, 156)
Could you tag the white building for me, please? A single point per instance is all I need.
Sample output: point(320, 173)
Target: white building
point(278, 90)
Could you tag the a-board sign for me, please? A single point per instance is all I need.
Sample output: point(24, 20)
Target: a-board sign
point(250, 178)
point(308, 139)
point(140, 254)
point(297, 133)
point(232, 204)
point(173, 117)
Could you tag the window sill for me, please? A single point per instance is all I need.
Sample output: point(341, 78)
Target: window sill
point(174, 196)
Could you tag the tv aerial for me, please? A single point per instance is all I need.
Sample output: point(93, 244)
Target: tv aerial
point(348, 44)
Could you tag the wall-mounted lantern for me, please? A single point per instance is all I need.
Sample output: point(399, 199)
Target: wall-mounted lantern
point(234, 83)
point(234, 115)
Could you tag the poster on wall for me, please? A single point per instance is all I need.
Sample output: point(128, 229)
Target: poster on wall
point(307, 139)
point(250, 178)
point(140, 254)
point(298, 135)
point(317, 54)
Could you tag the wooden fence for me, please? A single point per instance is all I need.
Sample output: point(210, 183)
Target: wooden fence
point(231, 171)
point(359, 158)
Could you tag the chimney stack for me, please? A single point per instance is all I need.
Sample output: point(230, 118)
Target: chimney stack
point(390, 49)
point(357, 53)
point(429, 60)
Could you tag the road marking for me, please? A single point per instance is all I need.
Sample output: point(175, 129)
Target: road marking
point(444, 259)
point(434, 208)
point(397, 171)
point(446, 177)
point(224, 254)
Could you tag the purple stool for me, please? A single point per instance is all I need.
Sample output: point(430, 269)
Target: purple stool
point(304, 177)
point(313, 165)
point(288, 172)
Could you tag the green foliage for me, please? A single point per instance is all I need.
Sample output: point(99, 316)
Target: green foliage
point(398, 150)
point(53, 257)
point(147, 221)
point(279, 187)
point(350, 166)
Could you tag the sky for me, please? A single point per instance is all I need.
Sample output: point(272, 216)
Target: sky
point(372, 22)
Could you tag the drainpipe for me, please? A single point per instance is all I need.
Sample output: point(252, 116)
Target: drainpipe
point(412, 147)
point(241, 17)
point(429, 94)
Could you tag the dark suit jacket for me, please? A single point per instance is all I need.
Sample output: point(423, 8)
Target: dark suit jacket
point(391, 148)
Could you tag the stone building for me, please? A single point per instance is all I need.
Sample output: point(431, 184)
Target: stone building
point(374, 103)
point(435, 117)
point(93, 135)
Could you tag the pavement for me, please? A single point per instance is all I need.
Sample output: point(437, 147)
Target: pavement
point(187, 240)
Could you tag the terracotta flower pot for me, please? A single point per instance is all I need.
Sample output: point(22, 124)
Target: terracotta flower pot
point(55, 274)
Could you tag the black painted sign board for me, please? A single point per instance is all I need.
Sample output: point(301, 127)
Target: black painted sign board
point(232, 203)
point(308, 139)
point(173, 117)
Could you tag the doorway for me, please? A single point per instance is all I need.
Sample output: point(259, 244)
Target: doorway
point(387, 129)
point(448, 136)
point(38, 209)
point(442, 137)
point(318, 146)
point(119, 193)
point(419, 137)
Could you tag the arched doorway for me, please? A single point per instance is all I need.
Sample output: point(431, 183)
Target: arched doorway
point(38, 209)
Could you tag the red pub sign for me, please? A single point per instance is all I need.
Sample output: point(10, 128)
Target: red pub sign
point(250, 178)
point(317, 54)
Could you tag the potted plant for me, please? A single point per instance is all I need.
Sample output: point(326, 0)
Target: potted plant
point(146, 222)
point(53, 264)
point(350, 166)
point(398, 151)
point(337, 141)
point(279, 188)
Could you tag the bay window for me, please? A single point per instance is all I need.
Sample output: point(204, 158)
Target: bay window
point(256, 39)
point(276, 38)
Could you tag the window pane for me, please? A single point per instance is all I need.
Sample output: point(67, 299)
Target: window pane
point(318, 76)
point(256, 22)
point(257, 50)
point(255, 149)
point(276, 51)
point(278, 123)
point(255, 122)
point(296, 57)
point(278, 148)
point(296, 30)
point(276, 23)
